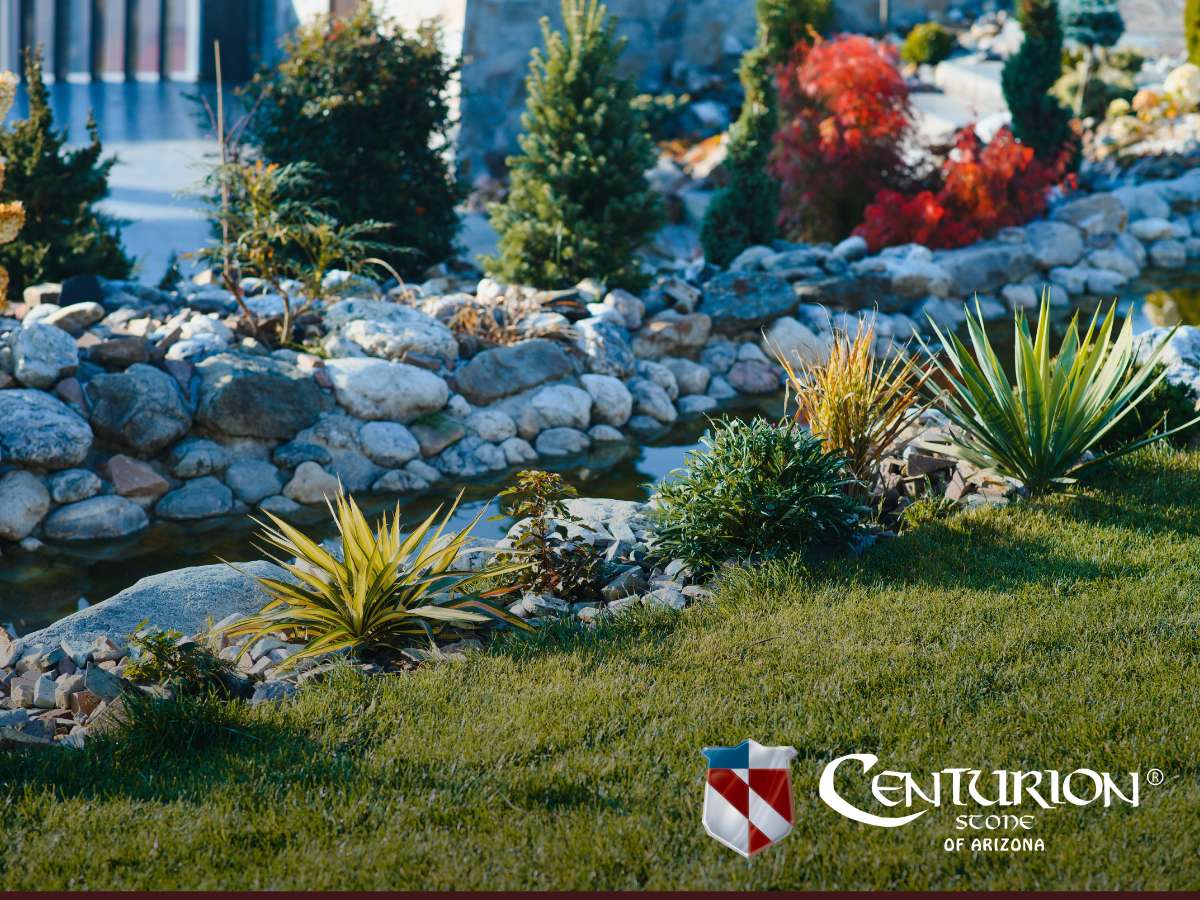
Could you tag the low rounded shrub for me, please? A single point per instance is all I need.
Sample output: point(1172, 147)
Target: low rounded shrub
point(367, 104)
point(758, 490)
point(1168, 405)
point(928, 43)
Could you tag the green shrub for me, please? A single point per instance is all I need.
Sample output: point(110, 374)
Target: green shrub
point(1037, 430)
point(367, 104)
point(758, 491)
point(579, 205)
point(785, 23)
point(1101, 86)
point(64, 233)
point(1028, 76)
point(1168, 405)
point(1191, 29)
point(557, 565)
point(265, 232)
point(1092, 23)
point(745, 210)
point(165, 657)
point(928, 43)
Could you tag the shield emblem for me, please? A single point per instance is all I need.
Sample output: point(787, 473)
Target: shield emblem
point(748, 795)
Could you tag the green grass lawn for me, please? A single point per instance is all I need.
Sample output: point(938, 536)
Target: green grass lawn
point(1052, 635)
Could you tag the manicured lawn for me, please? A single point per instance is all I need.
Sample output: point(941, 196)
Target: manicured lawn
point(1054, 635)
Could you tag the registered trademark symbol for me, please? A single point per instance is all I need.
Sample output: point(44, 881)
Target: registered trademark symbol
point(1155, 777)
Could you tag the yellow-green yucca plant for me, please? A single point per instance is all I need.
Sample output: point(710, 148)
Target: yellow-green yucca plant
point(855, 403)
point(1037, 429)
point(390, 591)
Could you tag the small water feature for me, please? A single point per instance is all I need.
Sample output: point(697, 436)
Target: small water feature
point(39, 588)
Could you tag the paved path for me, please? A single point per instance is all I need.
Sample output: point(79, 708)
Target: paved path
point(161, 149)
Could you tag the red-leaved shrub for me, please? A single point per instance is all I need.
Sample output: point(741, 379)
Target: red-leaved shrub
point(845, 116)
point(985, 187)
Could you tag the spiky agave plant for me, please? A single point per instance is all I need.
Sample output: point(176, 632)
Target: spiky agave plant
point(855, 403)
point(1038, 429)
point(390, 591)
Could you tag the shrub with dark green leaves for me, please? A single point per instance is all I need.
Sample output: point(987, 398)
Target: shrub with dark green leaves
point(568, 569)
point(1038, 119)
point(758, 490)
point(928, 43)
point(64, 234)
point(579, 205)
point(170, 659)
point(1168, 405)
point(744, 211)
point(367, 104)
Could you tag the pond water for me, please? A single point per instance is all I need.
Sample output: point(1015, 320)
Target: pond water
point(36, 589)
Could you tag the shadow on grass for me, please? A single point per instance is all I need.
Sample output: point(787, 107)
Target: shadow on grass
point(168, 750)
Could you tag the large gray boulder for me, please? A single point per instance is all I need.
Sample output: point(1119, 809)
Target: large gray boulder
point(738, 301)
point(612, 404)
point(39, 430)
point(377, 389)
point(24, 502)
point(256, 397)
point(1094, 214)
point(140, 409)
point(185, 600)
point(672, 334)
point(503, 371)
point(43, 355)
point(1055, 243)
point(986, 266)
point(98, 518)
point(200, 498)
point(392, 331)
point(606, 348)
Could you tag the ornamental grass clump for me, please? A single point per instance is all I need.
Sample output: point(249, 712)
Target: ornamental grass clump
point(1039, 429)
point(389, 591)
point(757, 491)
point(855, 403)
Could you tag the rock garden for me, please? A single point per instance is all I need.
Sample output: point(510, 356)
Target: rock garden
point(942, 321)
point(971, 532)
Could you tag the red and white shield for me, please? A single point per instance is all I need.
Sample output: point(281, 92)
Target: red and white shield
point(748, 795)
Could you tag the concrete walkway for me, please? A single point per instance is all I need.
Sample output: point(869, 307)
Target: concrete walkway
point(161, 148)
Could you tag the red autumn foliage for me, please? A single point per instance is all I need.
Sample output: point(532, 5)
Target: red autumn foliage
point(985, 187)
point(845, 116)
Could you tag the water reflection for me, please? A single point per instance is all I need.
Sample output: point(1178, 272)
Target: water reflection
point(38, 588)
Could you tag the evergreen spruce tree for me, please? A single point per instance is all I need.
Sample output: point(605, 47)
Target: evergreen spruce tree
point(1038, 119)
point(64, 233)
point(578, 204)
point(744, 211)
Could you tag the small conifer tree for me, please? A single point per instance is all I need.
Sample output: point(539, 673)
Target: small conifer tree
point(1038, 119)
point(579, 205)
point(64, 233)
point(745, 211)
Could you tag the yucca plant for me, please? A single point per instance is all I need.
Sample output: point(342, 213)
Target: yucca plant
point(856, 404)
point(390, 591)
point(1037, 430)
